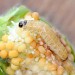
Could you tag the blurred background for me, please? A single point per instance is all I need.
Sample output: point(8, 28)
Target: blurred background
point(60, 13)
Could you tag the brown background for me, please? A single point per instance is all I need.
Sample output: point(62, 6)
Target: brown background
point(61, 13)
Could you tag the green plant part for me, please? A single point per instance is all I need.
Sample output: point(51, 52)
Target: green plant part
point(15, 14)
point(3, 64)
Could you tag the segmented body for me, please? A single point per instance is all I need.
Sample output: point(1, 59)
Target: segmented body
point(49, 37)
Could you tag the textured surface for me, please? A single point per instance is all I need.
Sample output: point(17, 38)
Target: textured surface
point(49, 36)
point(61, 13)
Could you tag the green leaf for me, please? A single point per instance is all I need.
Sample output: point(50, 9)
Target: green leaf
point(2, 72)
point(15, 14)
point(72, 50)
point(3, 64)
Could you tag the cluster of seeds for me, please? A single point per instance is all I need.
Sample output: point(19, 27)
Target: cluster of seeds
point(33, 49)
point(33, 16)
point(30, 55)
point(9, 50)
